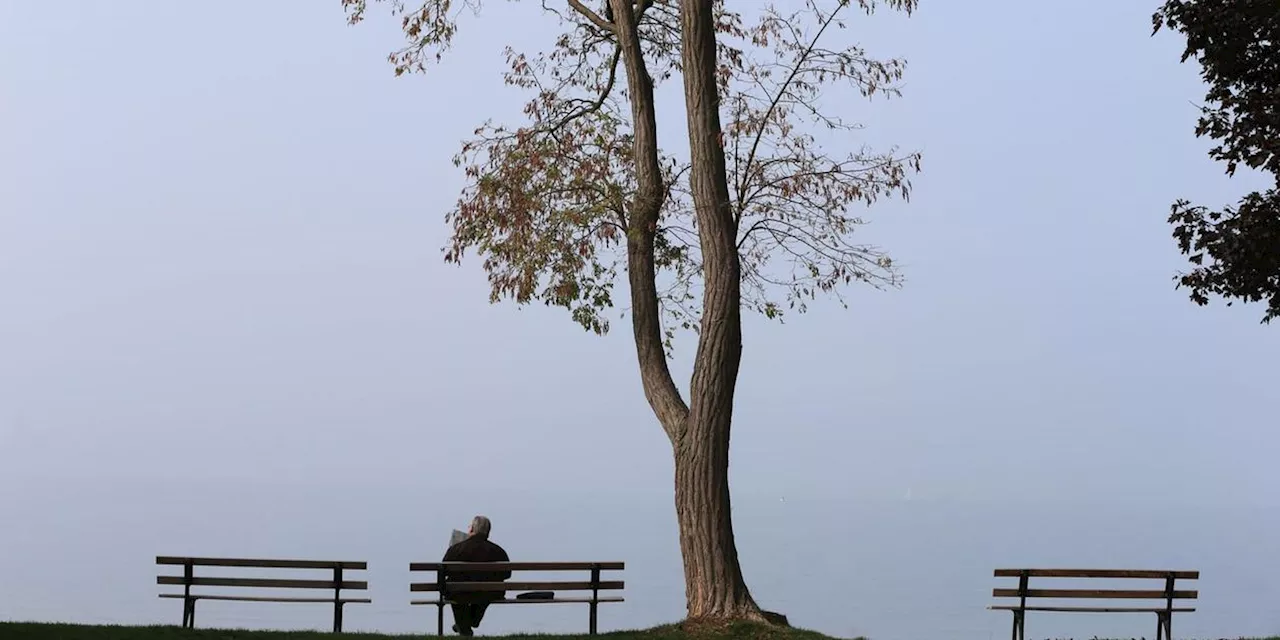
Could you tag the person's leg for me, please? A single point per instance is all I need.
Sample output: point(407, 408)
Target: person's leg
point(462, 622)
point(477, 613)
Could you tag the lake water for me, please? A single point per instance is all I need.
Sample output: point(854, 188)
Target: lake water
point(890, 570)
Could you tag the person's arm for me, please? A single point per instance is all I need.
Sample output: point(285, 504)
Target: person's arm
point(451, 555)
point(506, 575)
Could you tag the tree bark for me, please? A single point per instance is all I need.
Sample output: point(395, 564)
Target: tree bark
point(699, 432)
point(646, 205)
point(714, 585)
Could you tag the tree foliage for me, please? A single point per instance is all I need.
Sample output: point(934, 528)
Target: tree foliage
point(546, 202)
point(1235, 250)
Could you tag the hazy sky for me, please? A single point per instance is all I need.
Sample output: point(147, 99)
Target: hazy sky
point(219, 259)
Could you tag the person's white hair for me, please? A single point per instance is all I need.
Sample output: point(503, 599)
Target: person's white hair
point(480, 526)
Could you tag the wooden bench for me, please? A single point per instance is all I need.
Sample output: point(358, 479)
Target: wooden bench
point(444, 586)
point(335, 581)
point(1164, 614)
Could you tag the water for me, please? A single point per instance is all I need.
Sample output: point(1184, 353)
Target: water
point(890, 570)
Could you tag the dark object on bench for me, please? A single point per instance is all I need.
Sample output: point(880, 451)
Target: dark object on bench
point(445, 587)
point(335, 582)
point(1164, 614)
point(536, 595)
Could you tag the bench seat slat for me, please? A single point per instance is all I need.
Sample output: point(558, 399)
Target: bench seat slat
point(1094, 594)
point(1014, 607)
point(261, 582)
point(532, 600)
point(1097, 573)
point(262, 563)
point(604, 585)
point(518, 566)
point(194, 596)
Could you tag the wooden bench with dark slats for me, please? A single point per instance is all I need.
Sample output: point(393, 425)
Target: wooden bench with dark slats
point(444, 586)
point(336, 582)
point(1164, 614)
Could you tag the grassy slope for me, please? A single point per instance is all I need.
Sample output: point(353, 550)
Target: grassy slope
point(41, 631)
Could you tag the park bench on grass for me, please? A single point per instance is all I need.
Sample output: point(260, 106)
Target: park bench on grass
point(1166, 592)
point(541, 591)
point(334, 580)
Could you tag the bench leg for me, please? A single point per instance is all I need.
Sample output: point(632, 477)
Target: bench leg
point(440, 619)
point(1020, 625)
point(191, 614)
point(1164, 626)
point(592, 624)
point(337, 617)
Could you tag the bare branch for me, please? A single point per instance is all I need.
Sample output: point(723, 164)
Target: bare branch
point(593, 17)
point(782, 89)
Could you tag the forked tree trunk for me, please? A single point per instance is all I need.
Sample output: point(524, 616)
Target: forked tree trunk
point(699, 430)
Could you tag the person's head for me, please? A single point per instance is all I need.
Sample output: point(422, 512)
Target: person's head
point(480, 527)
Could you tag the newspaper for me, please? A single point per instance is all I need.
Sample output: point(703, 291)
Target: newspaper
point(456, 537)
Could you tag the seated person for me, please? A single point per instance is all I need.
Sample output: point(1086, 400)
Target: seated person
point(469, 606)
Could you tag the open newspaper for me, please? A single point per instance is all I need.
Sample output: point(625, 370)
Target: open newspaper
point(456, 537)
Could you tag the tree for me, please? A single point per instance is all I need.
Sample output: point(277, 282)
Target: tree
point(756, 215)
point(1235, 250)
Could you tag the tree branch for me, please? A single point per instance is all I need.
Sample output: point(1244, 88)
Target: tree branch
point(593, 17)
point(782, 90)
point(646, 207)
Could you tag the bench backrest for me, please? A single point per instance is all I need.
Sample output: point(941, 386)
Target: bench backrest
point(1167, 592)
point(335, 580)
point(593, 581)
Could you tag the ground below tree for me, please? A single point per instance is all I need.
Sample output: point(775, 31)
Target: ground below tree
point(46, 631)
point(43, 631)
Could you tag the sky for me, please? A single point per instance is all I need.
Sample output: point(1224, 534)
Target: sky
point(220, 232)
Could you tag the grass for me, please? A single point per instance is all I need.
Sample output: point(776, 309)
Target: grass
point(46, 631)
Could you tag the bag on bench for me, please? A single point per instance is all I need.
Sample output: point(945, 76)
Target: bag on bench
point(536, 595)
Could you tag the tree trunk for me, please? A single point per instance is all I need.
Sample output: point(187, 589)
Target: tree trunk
point(714, 585)
point(699, 431)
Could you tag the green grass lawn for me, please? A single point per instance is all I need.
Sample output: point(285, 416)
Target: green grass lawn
point(42, 631)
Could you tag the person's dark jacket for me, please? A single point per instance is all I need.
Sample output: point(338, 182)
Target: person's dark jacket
point(477, 549)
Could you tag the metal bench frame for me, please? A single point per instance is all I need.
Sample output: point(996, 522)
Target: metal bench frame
point(1164, 614)
point(188, 579)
